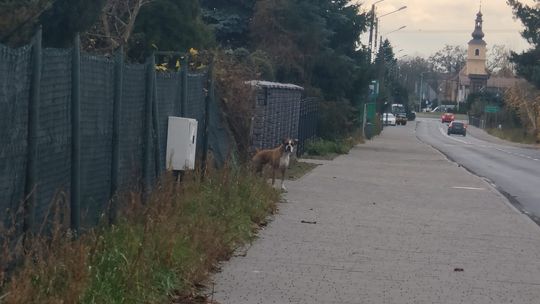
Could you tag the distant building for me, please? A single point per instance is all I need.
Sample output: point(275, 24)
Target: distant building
point(474, 77)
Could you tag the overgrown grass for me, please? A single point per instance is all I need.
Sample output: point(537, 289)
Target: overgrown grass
point(164, 247)
point(331, 148)
point(513, 135)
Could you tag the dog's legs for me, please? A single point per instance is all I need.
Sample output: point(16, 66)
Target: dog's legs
point(283, 179)
point(273, 175)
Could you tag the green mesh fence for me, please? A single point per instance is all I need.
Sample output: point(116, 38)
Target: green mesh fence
point(195, 105)
point(132, 126)
point(14, 95)
point(97, 98)
point(168, 101)
point(54, 132)
point(55, 172)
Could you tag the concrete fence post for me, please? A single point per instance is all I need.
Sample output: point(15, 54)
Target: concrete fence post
point(75, 136)
point(117, 116)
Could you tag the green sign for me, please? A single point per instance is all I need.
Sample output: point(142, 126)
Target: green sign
point(370, 111)
point(491, 109)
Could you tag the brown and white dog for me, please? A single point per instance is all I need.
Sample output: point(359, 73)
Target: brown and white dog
point(277, 158)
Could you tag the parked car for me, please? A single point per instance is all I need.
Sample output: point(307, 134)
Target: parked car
point(389, 119)
point(447, 117)
point(457, 127)
point(401, 119)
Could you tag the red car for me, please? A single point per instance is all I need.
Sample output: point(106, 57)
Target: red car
point(447, 117)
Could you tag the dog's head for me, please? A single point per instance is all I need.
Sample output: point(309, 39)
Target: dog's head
point(289, 144)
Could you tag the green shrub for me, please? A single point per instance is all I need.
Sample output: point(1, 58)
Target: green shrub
point(323, 147)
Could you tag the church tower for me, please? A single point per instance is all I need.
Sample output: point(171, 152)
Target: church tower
point(476, 57)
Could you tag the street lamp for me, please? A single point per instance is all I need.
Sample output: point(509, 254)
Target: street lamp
point(402, 27)
point(372, 22)
point(377, 22)
point(399, 9)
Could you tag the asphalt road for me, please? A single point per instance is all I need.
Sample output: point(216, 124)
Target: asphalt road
point(513, 170)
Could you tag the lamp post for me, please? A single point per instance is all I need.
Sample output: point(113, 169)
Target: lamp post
point(377, 22)
point(421, 90)
point(372, 23)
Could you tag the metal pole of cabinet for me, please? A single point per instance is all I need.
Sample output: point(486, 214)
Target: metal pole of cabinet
point(32, 136)
point(117, 116)
point(147, 152)
point(371, 24)
point(75, 136)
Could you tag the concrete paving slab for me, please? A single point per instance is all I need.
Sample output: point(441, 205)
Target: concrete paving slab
point(391, 222)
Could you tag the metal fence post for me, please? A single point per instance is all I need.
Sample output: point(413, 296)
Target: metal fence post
point(75, 136)
point(32, 137)
point(115, 164)
point(150, 76)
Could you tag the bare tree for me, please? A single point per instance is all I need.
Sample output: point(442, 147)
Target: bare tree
point(19, 17)
point(498, 63)
point(525, 99)
point(115, 25)
point(450, 59)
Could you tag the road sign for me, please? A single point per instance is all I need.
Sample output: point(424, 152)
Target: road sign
point(491, 109)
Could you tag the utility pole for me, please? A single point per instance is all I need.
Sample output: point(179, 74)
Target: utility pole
point(371, 24)
point(421, 91)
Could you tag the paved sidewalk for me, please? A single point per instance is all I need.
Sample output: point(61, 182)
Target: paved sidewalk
point(392, 222)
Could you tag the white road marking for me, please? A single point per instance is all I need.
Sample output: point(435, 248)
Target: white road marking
point(468, 188)
point(488, 147)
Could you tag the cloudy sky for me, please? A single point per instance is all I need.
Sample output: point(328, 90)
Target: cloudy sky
point(430, 24)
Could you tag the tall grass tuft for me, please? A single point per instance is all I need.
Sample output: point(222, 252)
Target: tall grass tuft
point(324, 147)
point(165, 246)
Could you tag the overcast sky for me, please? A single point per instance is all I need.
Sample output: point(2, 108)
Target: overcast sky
point(430, 24)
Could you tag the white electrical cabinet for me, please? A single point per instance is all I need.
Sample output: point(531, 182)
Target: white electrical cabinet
point(181, 143)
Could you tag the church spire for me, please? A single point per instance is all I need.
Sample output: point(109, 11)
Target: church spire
point(478, 34)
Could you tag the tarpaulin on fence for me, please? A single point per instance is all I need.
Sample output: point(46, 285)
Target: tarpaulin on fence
point(132, 126)
point(195, 105)
point(168, 104)
point(14, 96)
point(54, 133)
point(96, 107)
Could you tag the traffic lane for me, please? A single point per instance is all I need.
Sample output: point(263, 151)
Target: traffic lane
point(515, 175)
point(530, 153)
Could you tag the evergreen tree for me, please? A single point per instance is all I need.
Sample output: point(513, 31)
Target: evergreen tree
point(528, 62)
point(230, 20)
point(170, 25)
point(67, 18)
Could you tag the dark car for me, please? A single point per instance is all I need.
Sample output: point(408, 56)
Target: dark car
point(401, 119)
point(411, 116)
point(457, 127)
